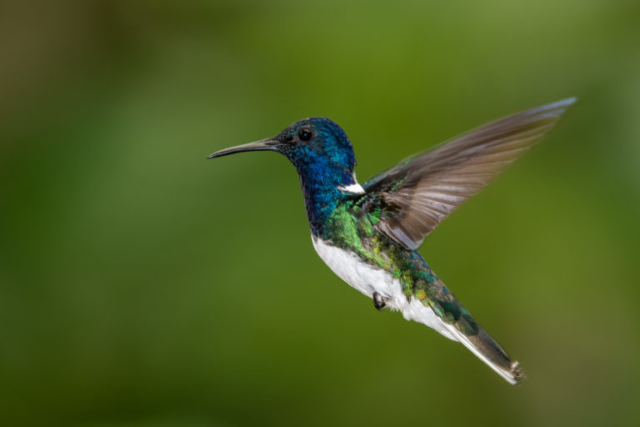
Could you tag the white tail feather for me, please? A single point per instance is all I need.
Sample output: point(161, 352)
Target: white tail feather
point(513, 376)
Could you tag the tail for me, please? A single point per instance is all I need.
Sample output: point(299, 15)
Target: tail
point(432, 304)
point(482, 345)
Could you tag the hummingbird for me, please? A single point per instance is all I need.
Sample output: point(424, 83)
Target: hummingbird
point(368, 234)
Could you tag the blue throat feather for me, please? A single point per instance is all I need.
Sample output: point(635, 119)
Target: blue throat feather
point(323, 172)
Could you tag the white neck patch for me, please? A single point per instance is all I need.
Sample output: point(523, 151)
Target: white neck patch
point(353, 188)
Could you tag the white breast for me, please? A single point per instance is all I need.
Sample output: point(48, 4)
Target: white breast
point(369, 279)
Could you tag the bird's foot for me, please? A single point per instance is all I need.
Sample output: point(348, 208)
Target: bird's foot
point(379, 301)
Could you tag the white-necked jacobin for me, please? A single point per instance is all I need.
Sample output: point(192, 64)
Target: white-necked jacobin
point(369, 234)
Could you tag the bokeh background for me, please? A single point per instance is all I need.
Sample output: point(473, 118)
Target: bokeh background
point(142, 285)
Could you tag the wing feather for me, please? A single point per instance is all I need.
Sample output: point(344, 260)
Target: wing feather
point(420, 192)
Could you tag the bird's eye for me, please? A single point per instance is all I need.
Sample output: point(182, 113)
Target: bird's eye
point(305, 134)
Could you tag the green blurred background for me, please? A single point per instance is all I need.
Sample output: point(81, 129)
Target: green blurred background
point(142, 285)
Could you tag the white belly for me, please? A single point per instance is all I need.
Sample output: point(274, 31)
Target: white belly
point(369, 279)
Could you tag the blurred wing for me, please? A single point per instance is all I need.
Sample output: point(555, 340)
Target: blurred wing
point(412, 198)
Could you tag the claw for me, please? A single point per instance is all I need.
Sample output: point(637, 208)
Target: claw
point(379, 301)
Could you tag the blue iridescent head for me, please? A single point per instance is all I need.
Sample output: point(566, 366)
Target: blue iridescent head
point(307, 140)
point(316, 146)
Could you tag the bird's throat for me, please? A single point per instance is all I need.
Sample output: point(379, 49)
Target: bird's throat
point(323, 188)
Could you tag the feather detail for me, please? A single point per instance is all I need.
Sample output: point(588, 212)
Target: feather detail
point(420, 192)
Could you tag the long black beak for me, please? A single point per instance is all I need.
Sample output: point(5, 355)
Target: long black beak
point(269, 144)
